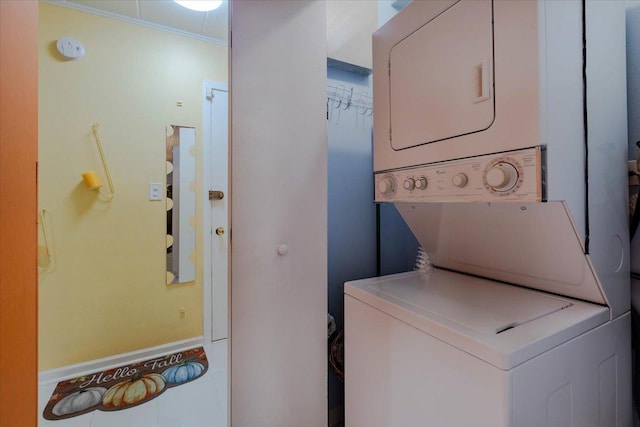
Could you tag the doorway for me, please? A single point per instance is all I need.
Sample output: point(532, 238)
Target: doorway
point(103, 283)
point(216, 211)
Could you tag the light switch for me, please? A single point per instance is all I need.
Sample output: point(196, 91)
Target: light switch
point(155, 191)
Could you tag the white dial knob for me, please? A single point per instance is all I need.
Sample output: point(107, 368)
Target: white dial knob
point(460, 180)
point(421, 183)
point(386, 185)
point(409, 184)
point(502, 177)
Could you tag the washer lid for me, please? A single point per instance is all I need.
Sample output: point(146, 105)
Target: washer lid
point(504, 325)
point(528, 244)
point(480, 305)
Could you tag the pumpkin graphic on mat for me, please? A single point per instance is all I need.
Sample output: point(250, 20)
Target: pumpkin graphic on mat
point(139, 388)
point(184, 372)
point(78, 401)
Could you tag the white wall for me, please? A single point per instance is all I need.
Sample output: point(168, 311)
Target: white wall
point(350, 24)
point(386, 11)
point(279, 187)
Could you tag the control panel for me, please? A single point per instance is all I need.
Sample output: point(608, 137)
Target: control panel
point(512, 176)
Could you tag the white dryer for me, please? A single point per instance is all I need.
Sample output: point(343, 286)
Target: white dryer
point(500, 136)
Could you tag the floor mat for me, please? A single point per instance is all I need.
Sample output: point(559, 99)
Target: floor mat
point(125, 386)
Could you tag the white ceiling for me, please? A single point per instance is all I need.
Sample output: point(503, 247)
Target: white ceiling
point(210, 26)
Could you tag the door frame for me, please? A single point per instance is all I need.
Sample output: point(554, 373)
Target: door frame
point(216, 272)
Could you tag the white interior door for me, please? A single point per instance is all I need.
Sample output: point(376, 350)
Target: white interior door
point(278, 325)
point(216, 211)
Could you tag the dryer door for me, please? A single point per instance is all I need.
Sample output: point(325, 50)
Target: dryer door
point(441, 77)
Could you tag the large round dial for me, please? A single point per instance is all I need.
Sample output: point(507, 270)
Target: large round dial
point(502, 176)
point(387, 186)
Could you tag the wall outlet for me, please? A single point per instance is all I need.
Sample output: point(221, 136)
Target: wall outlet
point(155, 191)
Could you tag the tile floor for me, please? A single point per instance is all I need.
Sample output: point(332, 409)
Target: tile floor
point(199, 403)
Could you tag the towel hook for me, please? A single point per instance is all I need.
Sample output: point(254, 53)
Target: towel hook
point(112, 190)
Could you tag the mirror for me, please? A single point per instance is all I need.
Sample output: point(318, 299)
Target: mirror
point(181, 204)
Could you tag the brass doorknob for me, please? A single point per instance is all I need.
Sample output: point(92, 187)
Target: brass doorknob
point(219, 231)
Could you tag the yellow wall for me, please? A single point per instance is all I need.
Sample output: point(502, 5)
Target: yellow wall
point(106, 292)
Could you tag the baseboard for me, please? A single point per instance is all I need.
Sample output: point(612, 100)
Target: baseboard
point(72, 371)
point(336, 416)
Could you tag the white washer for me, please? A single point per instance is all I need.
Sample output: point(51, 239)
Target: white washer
point(455, 350)
point(451, 349)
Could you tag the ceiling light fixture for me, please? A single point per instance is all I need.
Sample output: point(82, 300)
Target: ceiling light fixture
point(200, 5)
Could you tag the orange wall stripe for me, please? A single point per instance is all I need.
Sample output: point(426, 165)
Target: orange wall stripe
point(18, 212)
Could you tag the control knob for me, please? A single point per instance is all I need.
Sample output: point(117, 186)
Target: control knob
point(421, 183)
point(460, 180)
point(502, 177)
point(409, 184)
point(386, 185)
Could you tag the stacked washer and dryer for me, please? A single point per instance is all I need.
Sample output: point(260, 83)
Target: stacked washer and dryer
point(500, 135)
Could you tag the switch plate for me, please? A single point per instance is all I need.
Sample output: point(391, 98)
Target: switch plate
point(155, 191)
